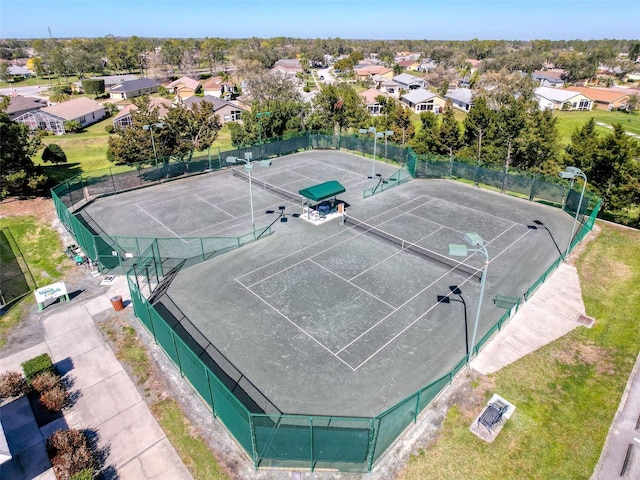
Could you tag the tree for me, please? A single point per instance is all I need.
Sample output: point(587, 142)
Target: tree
point(4, 72)
point(338, 106)
point(59, 94)
point(53, 153)
point(447, 138)
point(423, 142)
point(583, 149)
point(214, 51)
point(18, 145)
point(476, 125)
point(92, 86)
point(264, 87)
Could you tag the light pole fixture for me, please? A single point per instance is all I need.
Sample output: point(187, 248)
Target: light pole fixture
point(571, 173)
point(259, 116)
point(376, 136)
point(150, 127)
point(248, 157)
point(447, 299)
point(474, 240)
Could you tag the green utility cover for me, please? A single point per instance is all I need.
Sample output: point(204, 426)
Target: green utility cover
point(322, 190)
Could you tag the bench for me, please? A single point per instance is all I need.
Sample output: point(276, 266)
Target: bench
point(493, 414)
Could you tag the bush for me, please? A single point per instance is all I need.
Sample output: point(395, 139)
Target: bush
point(70, 453)
point(109, 128)
point(54, 399)
point(86, 474)
point(45, 381)
point(35, 366)
point(53, 153)
point(12, 384)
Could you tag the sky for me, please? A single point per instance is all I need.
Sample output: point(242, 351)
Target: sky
point(349, 19)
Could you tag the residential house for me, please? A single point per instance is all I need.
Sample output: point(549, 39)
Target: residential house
point(17, 71)
point(123, 118)
point(473, 63)
point(371, 100)
point(288, 67)
point(226, 111)
point(461, 98)
point(371, 71)
point(113, 80)
point(133, 88)
point(421, 100)
point(561, 99)
point(550, 78)
point(604, 98)
point(427, 66)
point(185, 87)
point(389, 86)
point(409, 82)
point(409, 64)
point(217, 87)
point(83, 110)
point(403, 56)
point(20, 105)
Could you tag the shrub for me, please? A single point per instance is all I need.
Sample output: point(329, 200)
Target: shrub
point(53, 153)
point(45, 381)
point(70, 453)
point(109, 128)
point(55, 398)
point(12, 384)
point(37, 365)
point(85, 474)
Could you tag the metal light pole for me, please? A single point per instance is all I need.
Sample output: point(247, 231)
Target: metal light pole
point(153, 143)
point(249, 167)
point(474, 240)
point(376, 136)
point(570, 174)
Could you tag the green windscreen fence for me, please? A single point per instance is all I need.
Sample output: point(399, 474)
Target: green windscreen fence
point(268, 436)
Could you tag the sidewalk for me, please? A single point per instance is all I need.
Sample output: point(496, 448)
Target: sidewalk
point(108, 403)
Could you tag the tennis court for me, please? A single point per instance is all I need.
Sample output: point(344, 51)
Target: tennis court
point(339, 319)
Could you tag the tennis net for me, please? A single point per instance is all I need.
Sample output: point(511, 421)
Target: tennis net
point(267, 186)
point(405, 245)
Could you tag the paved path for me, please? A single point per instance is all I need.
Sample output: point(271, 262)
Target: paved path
point(108, 402)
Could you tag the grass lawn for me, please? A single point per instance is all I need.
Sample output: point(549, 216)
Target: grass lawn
point(43, 252)
point(566, 393)
point(569, 121)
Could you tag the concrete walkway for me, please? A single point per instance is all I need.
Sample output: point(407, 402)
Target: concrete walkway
point(552, 312)
point(108, 403)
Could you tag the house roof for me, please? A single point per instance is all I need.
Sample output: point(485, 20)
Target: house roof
point(288, 64)
point(462, 95)
point(600, 94)
point(551, 76)
point(214, 83)
point(406, 79)
point(110, 80)
point(555, 94)
point(73, 108)
point(371, 94)
point(162, 105)
point(187, 82)
point(418, 95)
point(217, 102)
point(407, 63)
point(371, 70)
point(20, 104)
point(132, 85)
point(14, 70)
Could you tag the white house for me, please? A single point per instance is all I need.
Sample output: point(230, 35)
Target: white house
point(560, 99)
point(133, 88)
point(409, 82)
point(83, 110)
point(461, 98)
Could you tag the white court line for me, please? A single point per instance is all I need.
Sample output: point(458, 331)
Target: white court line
point(314, 244)
point(397, 253)
point(297, 326)
point(174, 233)
point(481, 212)
point(353, 284)
point(212, 204)
point(425, 313)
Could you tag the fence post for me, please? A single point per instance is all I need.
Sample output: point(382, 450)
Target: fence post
point(532, 192)
point(311, 443)
point(113, 182)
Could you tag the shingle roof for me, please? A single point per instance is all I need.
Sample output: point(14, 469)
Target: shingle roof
point(162, 105)
point(20, 103)
point(110, 80)
point(132, 85)
point(371, 94)
point(599, 94)
point(73, 108)
point(406, 79)
point(463, 95)
point(418, 95)
point(190, 83)
point(555, 94)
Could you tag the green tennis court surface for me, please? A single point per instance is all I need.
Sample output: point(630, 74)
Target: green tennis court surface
point(337, 319)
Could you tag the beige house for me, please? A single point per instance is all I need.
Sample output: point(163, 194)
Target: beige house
point(123, 117)
point(370, 98)
point(287, 67)
point(371, 71)
point(83, 110)
point(217, 87)
point(226, 111)
point(604, 98)
point(185, 87)
point(421, 100)
point(561, 99)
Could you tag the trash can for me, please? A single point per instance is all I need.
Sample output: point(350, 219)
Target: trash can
point(117, 303)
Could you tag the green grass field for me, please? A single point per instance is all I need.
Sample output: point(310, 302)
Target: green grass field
point(566, 393)
point(569, 121)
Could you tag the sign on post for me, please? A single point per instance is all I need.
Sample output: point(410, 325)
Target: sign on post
point(50, 292)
